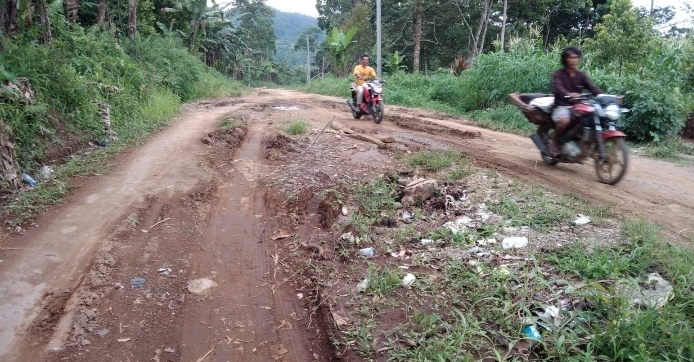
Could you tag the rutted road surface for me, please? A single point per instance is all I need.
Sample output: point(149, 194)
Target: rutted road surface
point(198, 211)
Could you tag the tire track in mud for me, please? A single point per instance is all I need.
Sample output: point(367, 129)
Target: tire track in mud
point(249, 316)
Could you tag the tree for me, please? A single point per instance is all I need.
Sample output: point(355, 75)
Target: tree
point(132, 18)
point(365, 39)
point(332, 13)
point(339, 42)
point(417, 35)
point(257, 28)
point(622, 38)
point(503, 26)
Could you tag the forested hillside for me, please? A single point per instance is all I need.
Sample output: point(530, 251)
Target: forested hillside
point(289, 27)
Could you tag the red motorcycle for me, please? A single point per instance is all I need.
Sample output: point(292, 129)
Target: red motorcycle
point(592, 132)
point(372, 103)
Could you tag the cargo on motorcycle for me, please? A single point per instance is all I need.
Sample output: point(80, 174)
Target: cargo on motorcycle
point(574, 127)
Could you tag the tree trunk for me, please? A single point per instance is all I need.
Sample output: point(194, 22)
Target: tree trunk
point(417, 36)
point(503, 26)
point(29, 15)
point(72, 7)
point(102, 12)
point(193, 35)
point(8, 16)
point(132, 18)
point(652, 14)
point(483, 18)
point(488, 11)
point(47, 35)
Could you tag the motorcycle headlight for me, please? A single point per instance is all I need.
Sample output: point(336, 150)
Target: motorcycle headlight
point(378, 89)
point(613, 112)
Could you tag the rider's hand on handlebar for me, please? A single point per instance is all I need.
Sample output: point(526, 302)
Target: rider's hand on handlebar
point(574, 95)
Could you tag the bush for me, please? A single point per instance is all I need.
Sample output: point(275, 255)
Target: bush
point(143, 81)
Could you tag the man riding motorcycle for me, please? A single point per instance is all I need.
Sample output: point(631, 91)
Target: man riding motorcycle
point(567, 83)
point(362, 72)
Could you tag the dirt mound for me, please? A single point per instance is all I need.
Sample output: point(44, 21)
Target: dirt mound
point(416, 124)
point(329, 209)
point(278, 144)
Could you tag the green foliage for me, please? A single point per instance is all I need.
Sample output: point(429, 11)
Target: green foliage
point(436, 160)
point(394, 62)
point(339, 43)
point(143, 81)
point(296, 127)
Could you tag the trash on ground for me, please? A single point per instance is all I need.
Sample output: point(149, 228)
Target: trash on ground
point(164, 271)
point(517, 242)
point(282, 234)
point(344, 210)
point(170, 350)
point(654, 292)
point(363, 285)
point(136, 283)
point(460, 225)
point(348, 237)
point(407, 216)
point(408, 280)
point(582, 220)
point(28, 179)
point(532, 332)
point(486, 242)
point(367, 252)
point(201, 286)
point(102, 332)
point(286, 108)
point(426, 242)
point(123, 339)
point(46, 172)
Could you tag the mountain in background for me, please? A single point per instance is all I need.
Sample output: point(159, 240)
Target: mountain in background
point(288, 27)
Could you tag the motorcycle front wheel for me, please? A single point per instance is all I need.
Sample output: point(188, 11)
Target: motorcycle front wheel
point(613, 170)
point(377, 112)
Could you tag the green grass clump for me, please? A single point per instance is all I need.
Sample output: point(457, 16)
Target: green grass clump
point(434, 160)
point(296, 127)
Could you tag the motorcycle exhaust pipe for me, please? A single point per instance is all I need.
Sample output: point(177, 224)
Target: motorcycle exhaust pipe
point(539, 142)
point(351, 105)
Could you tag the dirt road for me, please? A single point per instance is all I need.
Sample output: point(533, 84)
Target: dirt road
point(177, 210)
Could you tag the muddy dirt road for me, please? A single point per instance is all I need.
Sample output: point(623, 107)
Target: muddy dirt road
point(178, 210)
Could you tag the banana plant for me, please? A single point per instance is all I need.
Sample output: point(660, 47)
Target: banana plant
point(394, 61)
point(339, 42)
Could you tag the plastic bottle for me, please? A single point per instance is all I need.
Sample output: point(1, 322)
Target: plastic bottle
point(580, 221)
point(28, 180)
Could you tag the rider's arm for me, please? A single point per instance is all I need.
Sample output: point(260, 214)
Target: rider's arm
point(591, 87)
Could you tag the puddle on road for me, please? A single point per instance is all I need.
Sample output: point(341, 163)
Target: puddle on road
point(286, 108)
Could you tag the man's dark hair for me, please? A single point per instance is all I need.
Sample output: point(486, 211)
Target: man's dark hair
point(365, 56)
point(569, 50)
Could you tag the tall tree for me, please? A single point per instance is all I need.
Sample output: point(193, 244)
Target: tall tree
point(417, 35)
point(132, 18)
point(503, 26)
point(332, 13)
point(364, 40)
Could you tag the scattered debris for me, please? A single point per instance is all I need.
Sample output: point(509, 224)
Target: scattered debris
point(517, 242)
point(363, 285)
point(102, 332)
point(282, 234)
point(200, 286)
point(136, 283)
point(367, 252)
point(28, 179)
point(460, 225)
point(170, 350)
point(164, 271)
point(344, 210)
point(348, 237)
point(46, 172)
point(205, 356)
point(123, 339)
point(532, 332)
point(408, 280)
point(654, 292)
point(582, 220)
point(426, 242)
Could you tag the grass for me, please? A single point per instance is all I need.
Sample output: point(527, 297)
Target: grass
point(296, 127)
point(463, 311)
point(434, 161)
point(669, 150)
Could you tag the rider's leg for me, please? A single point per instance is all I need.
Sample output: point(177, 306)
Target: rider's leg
point(360, 95)
point(561, 116)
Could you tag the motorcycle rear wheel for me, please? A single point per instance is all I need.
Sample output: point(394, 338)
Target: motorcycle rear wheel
point(356, 115)
point(615, 168)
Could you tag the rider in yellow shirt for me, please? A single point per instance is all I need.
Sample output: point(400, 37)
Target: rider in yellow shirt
point(362, 72)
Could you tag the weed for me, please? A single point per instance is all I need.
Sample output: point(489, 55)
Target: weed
point(435, 161)
point(228, 124)
point(296, 127)
point(374, 197)
point(383, 281)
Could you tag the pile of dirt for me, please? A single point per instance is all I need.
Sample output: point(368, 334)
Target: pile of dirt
point(277, 144)
point(415, 124)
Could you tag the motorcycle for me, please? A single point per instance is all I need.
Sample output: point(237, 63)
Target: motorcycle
point(592, 132)
point(372, 103)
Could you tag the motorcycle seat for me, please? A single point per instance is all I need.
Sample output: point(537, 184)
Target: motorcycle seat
point(546, 104)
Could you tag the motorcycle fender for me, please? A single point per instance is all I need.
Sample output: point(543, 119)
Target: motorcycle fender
point(612, 134)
